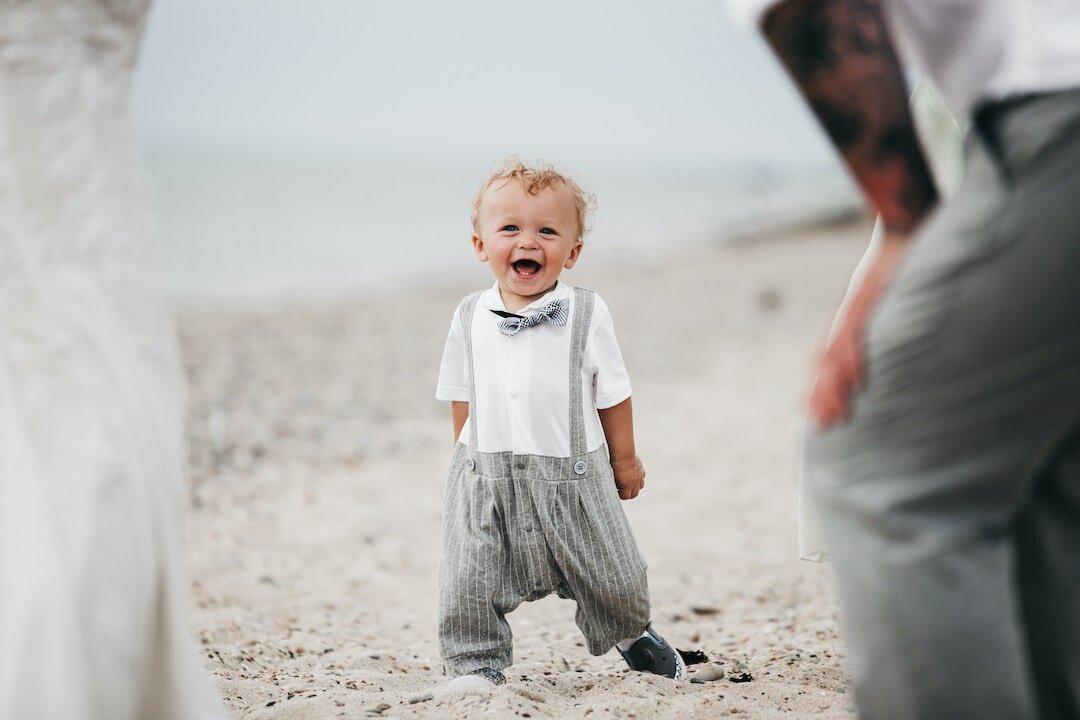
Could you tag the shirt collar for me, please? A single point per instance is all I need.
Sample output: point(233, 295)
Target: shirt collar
point(493, 298)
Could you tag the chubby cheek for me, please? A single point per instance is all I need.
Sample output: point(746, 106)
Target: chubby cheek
point(498, 257)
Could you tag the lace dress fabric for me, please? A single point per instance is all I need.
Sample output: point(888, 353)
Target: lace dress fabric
point(92, 587)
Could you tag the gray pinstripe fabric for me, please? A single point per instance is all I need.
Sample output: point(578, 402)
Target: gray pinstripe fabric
point(519, 527)
point(950, 500)
point(583, 309)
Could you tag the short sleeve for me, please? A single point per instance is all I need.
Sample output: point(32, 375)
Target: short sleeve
point(454, 369)
point(611, 383)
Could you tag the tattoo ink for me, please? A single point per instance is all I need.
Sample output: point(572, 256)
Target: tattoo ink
point(840, 55)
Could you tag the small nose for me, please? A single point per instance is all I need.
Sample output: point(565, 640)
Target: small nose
point(528, 239)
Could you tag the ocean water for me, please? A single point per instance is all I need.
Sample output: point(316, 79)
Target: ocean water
point(248, 225)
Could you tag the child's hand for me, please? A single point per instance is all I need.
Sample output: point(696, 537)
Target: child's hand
point(629, 477)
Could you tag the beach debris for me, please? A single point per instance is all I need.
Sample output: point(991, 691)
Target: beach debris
point(709, 673)
point(692, 657)
point(529, 694)
point(704, 610)
point(421, 697)
point(740, 673)
point(377, 710)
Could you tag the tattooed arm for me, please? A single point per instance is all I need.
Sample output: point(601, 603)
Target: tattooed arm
point(841, 57)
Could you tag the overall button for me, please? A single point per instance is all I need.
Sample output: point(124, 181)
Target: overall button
point(521, 593)
point(521, 466)
point(528, 528)
point(470, 464)
point(580, 467)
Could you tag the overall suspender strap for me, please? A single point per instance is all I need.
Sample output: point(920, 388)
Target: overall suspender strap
point(583, 311)
point(468, 307)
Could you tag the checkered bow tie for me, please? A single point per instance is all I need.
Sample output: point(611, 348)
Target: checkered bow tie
point(556, 312)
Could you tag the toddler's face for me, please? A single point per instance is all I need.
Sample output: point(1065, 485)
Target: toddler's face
point(528, 239)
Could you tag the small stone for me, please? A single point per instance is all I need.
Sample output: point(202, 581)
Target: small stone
point(708, 673)
point(770, 299)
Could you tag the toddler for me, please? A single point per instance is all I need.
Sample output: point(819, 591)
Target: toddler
point(545, 443)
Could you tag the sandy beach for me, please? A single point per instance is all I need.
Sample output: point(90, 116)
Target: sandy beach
point(317, 465)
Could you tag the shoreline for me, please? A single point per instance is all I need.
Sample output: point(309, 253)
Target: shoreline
point(762, 228)
point(317, 459)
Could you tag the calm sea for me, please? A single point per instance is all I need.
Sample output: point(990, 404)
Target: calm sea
point(239, 225)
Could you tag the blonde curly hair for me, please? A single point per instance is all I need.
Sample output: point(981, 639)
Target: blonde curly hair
point(535, 180)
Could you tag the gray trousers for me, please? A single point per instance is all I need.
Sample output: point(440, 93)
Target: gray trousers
point(951, 500)
point(519, 527)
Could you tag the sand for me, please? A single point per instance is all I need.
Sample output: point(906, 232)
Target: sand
point(318, 456)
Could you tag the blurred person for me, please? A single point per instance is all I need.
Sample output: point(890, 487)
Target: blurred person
point(93, 591)
point(544, 435)
point(946, 458)
point(941, 137)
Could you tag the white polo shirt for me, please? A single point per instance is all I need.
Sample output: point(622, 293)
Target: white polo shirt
point(522, 382)
point(976, 50)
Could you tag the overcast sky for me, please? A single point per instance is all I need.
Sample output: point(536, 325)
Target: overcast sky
point(670, 80)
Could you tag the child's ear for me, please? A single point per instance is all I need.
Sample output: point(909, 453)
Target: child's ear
point(574, 253)
point(478, 245)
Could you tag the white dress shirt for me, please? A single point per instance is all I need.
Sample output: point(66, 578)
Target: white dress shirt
point(522, 382)
point(980, 50)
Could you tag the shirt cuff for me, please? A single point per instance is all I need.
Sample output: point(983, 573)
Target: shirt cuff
point(613, 397)
point(458, 394)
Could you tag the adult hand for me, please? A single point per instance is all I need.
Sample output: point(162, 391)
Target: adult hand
point(629, 477)
point(841, 369)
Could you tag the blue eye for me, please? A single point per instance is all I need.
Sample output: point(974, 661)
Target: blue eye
point(509, 228)
point(548, 231)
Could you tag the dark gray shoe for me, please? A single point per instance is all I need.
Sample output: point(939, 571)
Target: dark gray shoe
point(492, 675)
point(652, 654)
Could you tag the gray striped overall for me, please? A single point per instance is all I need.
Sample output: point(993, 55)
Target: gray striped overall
point(519, 527)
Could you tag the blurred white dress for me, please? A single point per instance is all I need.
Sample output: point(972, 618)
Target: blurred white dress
point(942, 141)
point(92, 585)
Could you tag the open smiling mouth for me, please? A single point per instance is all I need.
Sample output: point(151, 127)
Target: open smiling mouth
point(526, 269)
